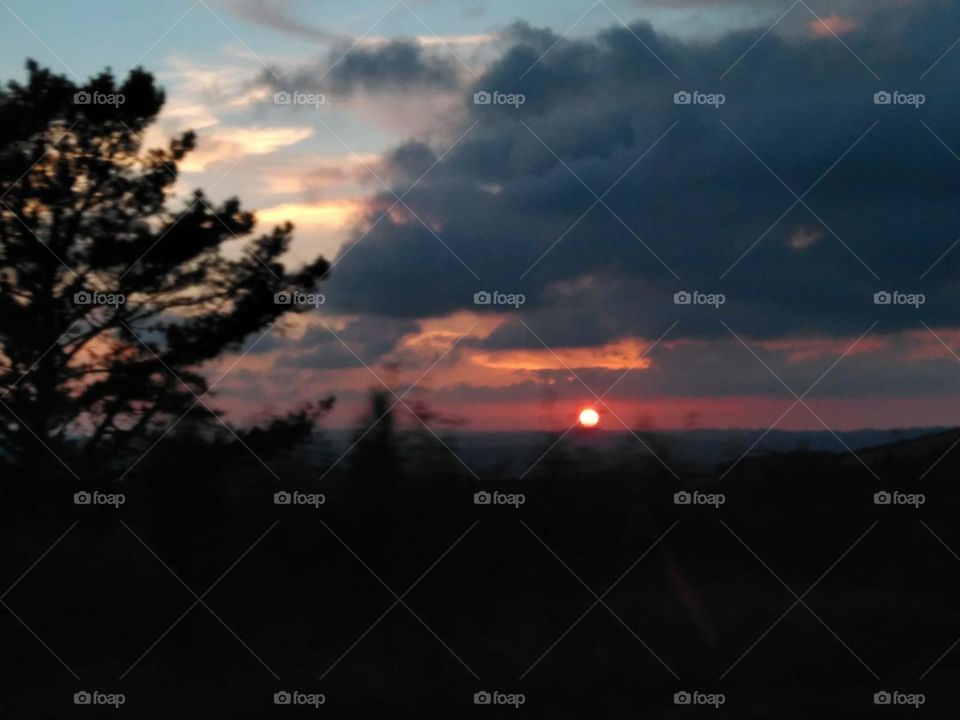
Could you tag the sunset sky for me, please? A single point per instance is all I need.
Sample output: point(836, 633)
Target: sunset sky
point(598, 199)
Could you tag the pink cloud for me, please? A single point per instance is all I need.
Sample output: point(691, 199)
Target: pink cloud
point(831, 25)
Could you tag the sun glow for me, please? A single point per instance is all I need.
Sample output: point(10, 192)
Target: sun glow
point(589, 417)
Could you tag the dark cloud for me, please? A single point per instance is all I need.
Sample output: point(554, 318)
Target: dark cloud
point(699, 200)
point(823, 8)
point(396, 66)
point(371, 338)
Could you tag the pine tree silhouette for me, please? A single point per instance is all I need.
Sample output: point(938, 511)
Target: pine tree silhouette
point(111, 301)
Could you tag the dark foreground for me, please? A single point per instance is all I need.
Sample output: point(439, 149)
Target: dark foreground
point(599, 596)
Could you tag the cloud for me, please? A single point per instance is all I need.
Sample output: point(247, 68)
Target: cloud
point(292, 17)
point(503, 195)
point(409, 86)
point(831, 25)
point(622, 355)
point(332, 214)
point(213, 100)
point(395, 66)
point(311, 178)
point(692, 202)
point(286, 16)
point(900, 380)
point(822, 7)
point(181, 115)
point(803, 238)
point(370, 339)
point(222, 144)
point(453, 40)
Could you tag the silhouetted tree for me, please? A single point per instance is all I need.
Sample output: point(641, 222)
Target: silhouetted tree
point(375, 456)
point(84, 210)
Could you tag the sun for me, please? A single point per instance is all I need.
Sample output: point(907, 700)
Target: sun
point(589, 417)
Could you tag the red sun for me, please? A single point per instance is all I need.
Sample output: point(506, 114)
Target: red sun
point(589, 418)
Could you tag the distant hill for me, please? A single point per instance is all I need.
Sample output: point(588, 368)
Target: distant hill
point(913, 449)
point(705, 449)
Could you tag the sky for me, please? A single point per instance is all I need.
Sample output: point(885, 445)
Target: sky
point(782, 199)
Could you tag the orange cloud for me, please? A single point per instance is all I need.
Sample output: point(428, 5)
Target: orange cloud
point(621, 355)
point(333, 214)
point(231, 143)
point(831, 25)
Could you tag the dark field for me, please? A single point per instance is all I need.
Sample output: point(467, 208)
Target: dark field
point(598, 596)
